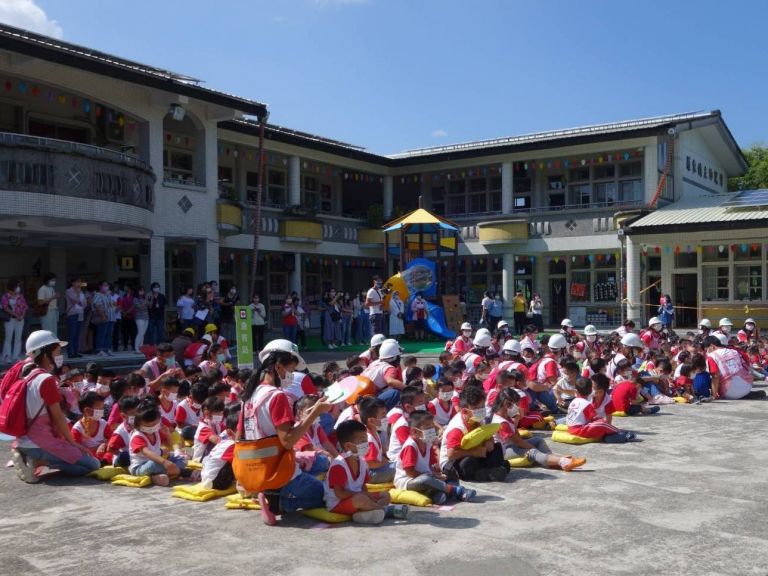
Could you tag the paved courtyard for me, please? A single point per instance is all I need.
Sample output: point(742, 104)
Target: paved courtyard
point(691, 498)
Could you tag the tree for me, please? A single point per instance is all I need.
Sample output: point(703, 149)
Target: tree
point(756, 175)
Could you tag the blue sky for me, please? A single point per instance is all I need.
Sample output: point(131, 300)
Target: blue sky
point(396, 74)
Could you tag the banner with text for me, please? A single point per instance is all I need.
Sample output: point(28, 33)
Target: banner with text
point(244, 337)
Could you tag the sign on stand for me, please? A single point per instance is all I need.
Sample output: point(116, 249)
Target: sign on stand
point(244, 337)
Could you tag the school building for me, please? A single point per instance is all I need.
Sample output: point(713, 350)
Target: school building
point(118, 170)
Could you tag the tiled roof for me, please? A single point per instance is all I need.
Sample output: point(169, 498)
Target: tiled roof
point(700, 210)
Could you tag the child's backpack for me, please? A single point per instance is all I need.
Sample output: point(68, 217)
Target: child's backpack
point(13, 409)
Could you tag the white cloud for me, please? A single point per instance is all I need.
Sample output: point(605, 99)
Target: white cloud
point(439, 133)
point(28, 15)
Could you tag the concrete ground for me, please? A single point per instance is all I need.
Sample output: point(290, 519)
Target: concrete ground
point(691, 498)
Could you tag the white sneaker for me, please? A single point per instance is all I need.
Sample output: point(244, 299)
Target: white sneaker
point(25, 470)
point(101, 353)
point(369, 517)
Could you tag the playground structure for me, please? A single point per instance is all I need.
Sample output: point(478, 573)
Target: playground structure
point(420, 239)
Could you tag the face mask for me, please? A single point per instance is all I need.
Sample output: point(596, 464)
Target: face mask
point(217, 418)
point(155, 290)
point(420, 407)
point(378, 285)
point(591, 339)
point(478, 415)
point(52, 283)
point(467, 333)
point(725, 329)
point(429, 435)
point(382, 427)
point(446, 396)
point(102, 388)
point(58, 360)
point(172, 396)
point(362, 449)
point(513, 411)
point(750, 327)
point(151, 429)
point(17, 289)
point(196, 406)
point(287, 380)
point(98, 414)
point(170, 362)
point(221, 357)
point(657, 328)
point(130, 420)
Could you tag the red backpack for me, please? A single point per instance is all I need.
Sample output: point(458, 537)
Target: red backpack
point(13, 409)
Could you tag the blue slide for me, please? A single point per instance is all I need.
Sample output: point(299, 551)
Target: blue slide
point(435, 320)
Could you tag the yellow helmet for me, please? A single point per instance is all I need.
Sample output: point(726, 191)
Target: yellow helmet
point(211, 328)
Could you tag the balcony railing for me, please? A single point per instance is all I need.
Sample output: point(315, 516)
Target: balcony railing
point(57, 167)
point(593, 206)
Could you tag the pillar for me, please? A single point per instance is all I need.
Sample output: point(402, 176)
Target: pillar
point(295, 282)
point(507, 190)
point(207, 261)
point(109, 264)
point(388, 197)
point(156, 262)
point(634, 302)
point(508, 285)
point(294, 181)
point(541, 284)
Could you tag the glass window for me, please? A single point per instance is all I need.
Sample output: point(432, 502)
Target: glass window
point(522, 202)
point(630, 170)
point(578, 174)
point(556, 200)
point(580, 194)
point(557, 266)
point(715, 254)
point(715, 282)
point(495, 200)
point(477, 185)
point(580, 262)
point(605, 288)
point(749, 282)
point(686, 260)
point(457, 205)
point(604, 171)
point(477, 203)
point(457, 187)
point(580, 286)
point(605, 193)
point(748, 252)
point(630, 190)
point(495, 183)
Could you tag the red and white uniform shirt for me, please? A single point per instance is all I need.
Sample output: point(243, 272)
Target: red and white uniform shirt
point(186, 414)
point(603, 408)
point(221, 454)
point(379, 371)
point(168, 417)
point(507, 429)
point(651, 339)
point(203, 435)
point(121, 438)
point(375, 448)
point(461, 346)
point(452, 436)
point(401, 431)
point(547, 369)
point(340, 476)
point(580, 412)
point(411, 456)
point(442, 413)
point(139, 441)
point(301, 386)
point(101, 434)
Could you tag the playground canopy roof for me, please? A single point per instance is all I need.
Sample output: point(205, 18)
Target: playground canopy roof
point(424, 220)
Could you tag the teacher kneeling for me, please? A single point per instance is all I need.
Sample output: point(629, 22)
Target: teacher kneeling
point(48, 441)
point(267, 412)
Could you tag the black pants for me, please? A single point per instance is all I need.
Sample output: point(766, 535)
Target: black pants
point(520, 321)
point(225, 478)
point(258, 337)
point(466, 467)
point(128, 331)
point(301, 337)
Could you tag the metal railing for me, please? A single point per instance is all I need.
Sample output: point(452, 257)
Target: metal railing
point(591, 207)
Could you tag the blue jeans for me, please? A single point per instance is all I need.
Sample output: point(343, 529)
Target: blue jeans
point(289, 333)
point(303, 492)
point(365, 327)
point(547, 398)
point(346, 329)
point(155, 331)
point(150, 468)
point(376, 322)
point(104, 336)
point(390, 397)
point(84, 466)
point(73, 334)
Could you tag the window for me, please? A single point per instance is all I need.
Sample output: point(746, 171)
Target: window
point(580, 283)
point(578, 175)
point(178, 165)
point(748, 282)
point(438, 199)
point(605, 193)
point(477, 203)
point(715, 282)
point(630, 170)
point(10, 118)
point(715, 253)
point(605, 289)
point(686, 260)
point(630, 190)
point(522, 202)
point(748, 252)
point(580, 194)
point(311, 193)
point(556, 189)
point(604, 172)
point(326, 198)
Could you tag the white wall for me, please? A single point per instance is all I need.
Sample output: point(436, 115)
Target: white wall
point(692, 151)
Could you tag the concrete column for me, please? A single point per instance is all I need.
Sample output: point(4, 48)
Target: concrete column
point(294, 181)
point(388, 197)
point(295, 282)
point(508, 285)
point(109, 264)
point(634, 302)
point(507, 188)
point(207, 260)
point(240, 175)
point(156, 263)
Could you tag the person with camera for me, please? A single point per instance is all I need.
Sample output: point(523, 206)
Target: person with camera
point(396, 316)
point(374, 300)
point(332, 325)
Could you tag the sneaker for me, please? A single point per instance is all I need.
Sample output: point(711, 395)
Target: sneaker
point(397, 511)
point(24, 470)
point(755, 395)
point(110, 353)
point(463, 494)
point(630, 436)
point(697, 400)
point(101, 353)
point(439, 498)
point(368, 517)
point(498, 474)
point(161, 480)
point(653, 409)
point(706, 398)
point(575, 463)
point(266, 514)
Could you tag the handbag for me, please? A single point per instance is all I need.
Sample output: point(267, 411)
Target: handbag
point(4, 316)
point(262, 464)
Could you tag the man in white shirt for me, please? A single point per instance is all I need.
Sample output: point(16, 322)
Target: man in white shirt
point(373, 301)
point(46, 296)
point(185, 307)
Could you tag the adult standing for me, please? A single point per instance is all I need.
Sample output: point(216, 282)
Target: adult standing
point(373, 302)
point(396, 316)
point(228, 304)
point(485, 311)
point(666, 312)
point(357, 328)
point(519, 307)
point(104, 319)
point(332, 326)
point(47, 297)
point(290, 321)
point(267, 412)
point(48, 441)
point(185, 308)
point(156, 327)
point(15, 308)
point(127, 304)
point(75, 307)
point(496, 312)
point(141, 315)
point(302, 322)
point(536, 310)
point(258, 322)
point(346, 319)
point(117, 316)
point(204, 307)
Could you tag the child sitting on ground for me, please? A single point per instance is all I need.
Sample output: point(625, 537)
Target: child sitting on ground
point(417, 465)
point(430, 387)
point(582, 418)
point(702, 380)
point(217, 467)
point(120, 440)
point(442, 407)
point(683, 385)
point(535, 449)
point(565, 389)
point(209, 428)
point(147, 456)
point(482, 463)
point(91, 430)
point(132, 385)
point(188, 411)
point(412, 398)
point(626, 397)
point(345, 491)
point(601, 397)
point(315, 440)
point(373, 414)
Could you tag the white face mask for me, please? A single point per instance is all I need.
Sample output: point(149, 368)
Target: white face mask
point(446, 396)
point(420, 407)
point(362, 449)
point(52, 283)
point(195, 406)
point(749, 327)
point(102, 388)
point(130, 420)
point(429, 435)
point(513, 411)
point(58, 360)
point(287, 380)
point(725, 329)
point(151, 429)
point(217, 418)
point(98, 414)
point(172, 396)
point(478, 415)
point(383, 426)
point(591, 339)
point(657, 327)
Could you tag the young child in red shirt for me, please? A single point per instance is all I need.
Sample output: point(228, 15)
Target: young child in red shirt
point(442, 407)
point(412, 398)
point(582, 418)
point(91, 430)
point(120, 440)
point(373, 414)
point(217, 467)
point(345, 491)
point(315, 443)
point(626, 397)
point(209, 429)
point(601, 397)
point(418, 468)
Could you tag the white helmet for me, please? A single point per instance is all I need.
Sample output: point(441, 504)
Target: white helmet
point(557, 342)
point(40, 339)
point(389, 349)
point(725, 322)
point(654, 320)
point(706, 323)
point(466, 326)
point(377, 340)
point(631, 340)
point(501, 324)
point(723, 339)
point(590, 330)
point(282, 345)
point(482, 339)
point(750, 321)
point(566, 322)
point(512, 346)
point(483, 332)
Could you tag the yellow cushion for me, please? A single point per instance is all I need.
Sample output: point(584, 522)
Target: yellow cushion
point(543, 425)
point(194, 465)
point(188, 443)
point(176, 439)
point(379, 487)
point(410, 497)
point(620, 414)
point(524, 433)
point(198, 493)
point(520, 462)
point(562, 427)
point(107, 472)
point(324, 515)
point(549, 418)
point(131, 481)
point(680, 400)
point(477, 436)
point(237, 502)
point(566, 437)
